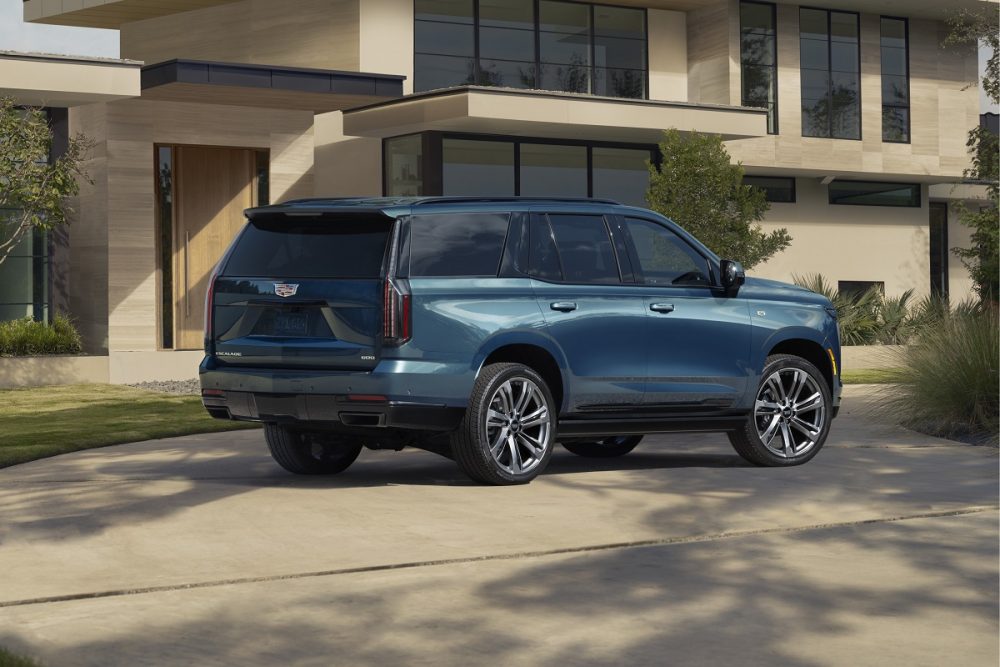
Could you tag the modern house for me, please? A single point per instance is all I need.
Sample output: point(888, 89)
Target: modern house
point(851, 115)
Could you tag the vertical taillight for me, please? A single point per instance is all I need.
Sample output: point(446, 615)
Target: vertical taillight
point(209, 304)
point(396, 314)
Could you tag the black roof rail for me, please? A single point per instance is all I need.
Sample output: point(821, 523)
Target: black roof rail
point(458, 200)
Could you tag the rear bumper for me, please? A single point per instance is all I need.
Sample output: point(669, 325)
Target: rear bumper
point(331, 411)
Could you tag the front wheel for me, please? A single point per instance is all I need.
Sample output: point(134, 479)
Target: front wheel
point(791, 414)
point(606, 448)
point(508, 431)
point(305, 453)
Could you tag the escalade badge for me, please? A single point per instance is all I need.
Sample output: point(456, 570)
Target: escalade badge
point(285, 289)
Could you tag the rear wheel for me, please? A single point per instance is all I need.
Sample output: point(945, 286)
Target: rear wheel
point(791, 415)
point(508, 431)
point(306, 453)
point(608, 447)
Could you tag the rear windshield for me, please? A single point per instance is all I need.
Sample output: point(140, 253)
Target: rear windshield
point(312, 249)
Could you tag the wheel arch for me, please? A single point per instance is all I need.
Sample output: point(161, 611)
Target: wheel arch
point(810, 350)
point(532, 351)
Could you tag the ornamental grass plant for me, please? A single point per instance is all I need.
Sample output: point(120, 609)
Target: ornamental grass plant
point(27, 337)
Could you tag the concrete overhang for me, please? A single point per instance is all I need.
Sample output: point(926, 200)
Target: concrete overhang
point(266, 86)
point(35, 79)
point(107, 13)
point(529, 113)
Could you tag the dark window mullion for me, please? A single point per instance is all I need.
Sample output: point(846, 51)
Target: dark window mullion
point(593, 53)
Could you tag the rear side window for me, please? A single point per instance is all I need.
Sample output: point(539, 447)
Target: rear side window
point(287, 248)
point(457, 244)
point(585, 251)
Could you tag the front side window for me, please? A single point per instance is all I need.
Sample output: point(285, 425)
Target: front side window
point(665, 258)
point(830, 60)
point(867, 193)
point(759, 59)
point(895, 81)
point(457, 244)
point(549, 45)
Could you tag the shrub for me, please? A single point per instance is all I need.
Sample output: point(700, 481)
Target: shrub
point(26, 337)
point(950, 379)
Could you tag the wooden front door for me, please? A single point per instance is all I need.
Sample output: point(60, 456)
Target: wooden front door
point(213, 187)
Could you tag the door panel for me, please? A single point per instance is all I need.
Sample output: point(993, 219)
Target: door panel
point(214, 187)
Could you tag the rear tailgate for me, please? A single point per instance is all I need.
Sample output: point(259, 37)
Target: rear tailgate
point(303, 293)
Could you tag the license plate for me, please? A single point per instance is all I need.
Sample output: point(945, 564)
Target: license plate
point(291, 324)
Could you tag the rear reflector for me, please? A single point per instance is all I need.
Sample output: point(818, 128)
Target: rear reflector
point(212, 392)
point(369, 398)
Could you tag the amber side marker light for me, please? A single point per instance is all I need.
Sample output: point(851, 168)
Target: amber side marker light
point(833, 360)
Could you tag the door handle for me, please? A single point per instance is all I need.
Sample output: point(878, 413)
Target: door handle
point(563, 306)
point(661, 307)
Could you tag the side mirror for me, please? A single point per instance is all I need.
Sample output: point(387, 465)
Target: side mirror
point(733, 276)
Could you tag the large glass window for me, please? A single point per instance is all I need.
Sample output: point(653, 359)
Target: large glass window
point(869, 193)
point(553, 171)
point(665, 258)
point(478, 168)
point(403, 166)
point(939, 248)
point(549, 44)
point(759, 59)
point(621, 174)
point(830, 64)
point(895, 81)
point(24, 284)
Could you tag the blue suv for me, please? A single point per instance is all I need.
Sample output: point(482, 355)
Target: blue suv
point(488, 330)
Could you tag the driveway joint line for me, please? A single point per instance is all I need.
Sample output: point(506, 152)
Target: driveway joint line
point(637, 544)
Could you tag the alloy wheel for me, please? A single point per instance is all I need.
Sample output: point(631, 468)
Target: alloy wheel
point(789, 412)
point(517, 426)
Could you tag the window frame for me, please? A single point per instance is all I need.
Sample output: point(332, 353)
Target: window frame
point(536, 56)
point(774, 22)
point(829, 71)
point(919, 189)
point(790, 179)
point(638, 277)
point(906, 53)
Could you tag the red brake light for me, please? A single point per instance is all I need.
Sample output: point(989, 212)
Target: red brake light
point(396, 314)
point(209, 303)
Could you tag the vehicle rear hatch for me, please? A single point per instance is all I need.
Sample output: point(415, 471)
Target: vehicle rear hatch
point(303, 290)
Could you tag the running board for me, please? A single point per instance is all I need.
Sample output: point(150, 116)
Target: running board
point(610, 427)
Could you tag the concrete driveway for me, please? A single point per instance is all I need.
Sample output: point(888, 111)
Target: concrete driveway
point(201, 551)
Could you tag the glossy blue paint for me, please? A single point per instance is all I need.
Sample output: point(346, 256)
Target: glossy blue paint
point(623, 346)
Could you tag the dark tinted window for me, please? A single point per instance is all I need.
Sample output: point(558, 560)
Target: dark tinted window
point(776, 189)
point(758, 58)
point(830, 74)
point(864, 193)
point(322, 249)
point(584, 249)
point(895, 80)
point(544, 259)
point(855, 288)
point(665, 258)
point(457, 244)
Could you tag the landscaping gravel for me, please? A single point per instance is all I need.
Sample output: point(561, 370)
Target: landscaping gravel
point(171, 386)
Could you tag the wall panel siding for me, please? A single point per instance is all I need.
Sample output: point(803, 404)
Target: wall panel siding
point(668, 66)
point(708, 54)
point(118, 216)
point(315, 33)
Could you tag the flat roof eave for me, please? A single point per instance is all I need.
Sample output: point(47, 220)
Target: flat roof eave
point(554, 115)
point(47, 80)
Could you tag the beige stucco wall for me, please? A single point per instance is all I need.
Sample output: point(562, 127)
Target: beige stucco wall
point(345, 166)
point(312, 33)
point(113, 238)
point(877, 243)
point(668, 63)
point(943, 106)
point(386, 38)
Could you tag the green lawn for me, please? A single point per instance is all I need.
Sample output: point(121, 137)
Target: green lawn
point(872, 376)
point(8, 659)
point(45, 421)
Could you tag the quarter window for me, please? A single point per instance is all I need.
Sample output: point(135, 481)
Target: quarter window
point(830, 62)
point(665, 258)
point(457, 244)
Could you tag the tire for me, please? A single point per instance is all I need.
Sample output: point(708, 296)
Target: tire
point(495, 416)
point(305, 453)
point(606, 448)
point(777, 433)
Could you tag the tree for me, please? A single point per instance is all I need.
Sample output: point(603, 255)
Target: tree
point(697, 186)
point(969, 29)
point(33, 190)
